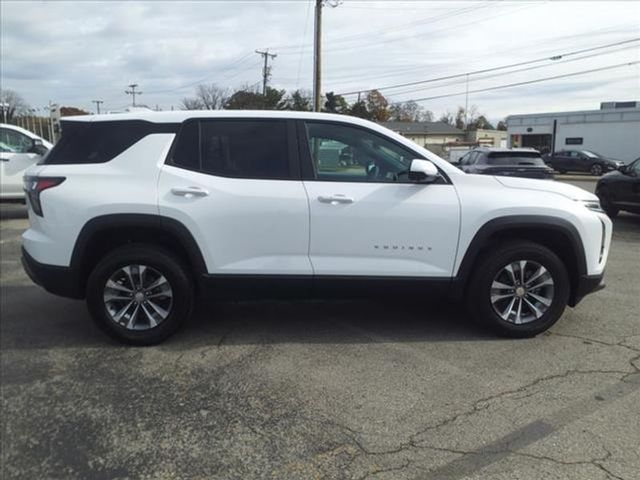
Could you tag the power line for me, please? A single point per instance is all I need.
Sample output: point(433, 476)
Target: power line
point(520, 70)
point(528, 82)
point(493, 69)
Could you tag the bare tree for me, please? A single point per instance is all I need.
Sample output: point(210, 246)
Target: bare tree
point(410, 111)
point(191, 104)
point(207, 97)
point(12, 104)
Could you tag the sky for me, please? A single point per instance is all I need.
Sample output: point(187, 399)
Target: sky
point(74, 52)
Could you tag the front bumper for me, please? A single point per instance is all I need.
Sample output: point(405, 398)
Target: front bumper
point(586, 284)
point(61, 281)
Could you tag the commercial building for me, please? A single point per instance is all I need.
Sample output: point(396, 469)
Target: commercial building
point(434, 136)
point(613, 131)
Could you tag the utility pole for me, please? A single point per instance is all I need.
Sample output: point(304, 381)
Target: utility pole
point(266, 70)
point(317, 50)
point(133, 92)
point(97, 102)
point(466, 106)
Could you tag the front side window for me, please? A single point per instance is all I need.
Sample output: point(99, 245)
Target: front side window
point(350, 154)
point(14, 142)
point(234, 148)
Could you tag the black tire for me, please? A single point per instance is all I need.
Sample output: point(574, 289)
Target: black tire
point(596, 170)
point(161, 261)
point(478, 292)
point(605, 202)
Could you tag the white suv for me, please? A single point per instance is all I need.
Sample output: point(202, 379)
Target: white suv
point(140, 212)
point(19, 149)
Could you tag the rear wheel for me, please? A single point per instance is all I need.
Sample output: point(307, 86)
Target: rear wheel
point(139, 294)
point(519, 289)
point(596, 169)
point(605, 202)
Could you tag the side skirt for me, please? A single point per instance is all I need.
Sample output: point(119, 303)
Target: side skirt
point(223, 286)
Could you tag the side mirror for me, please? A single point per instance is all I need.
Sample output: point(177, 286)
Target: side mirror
point(37, 147)
point(422, 171)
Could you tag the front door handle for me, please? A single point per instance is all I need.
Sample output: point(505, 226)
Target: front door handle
point(189, 192)
point(335, 199)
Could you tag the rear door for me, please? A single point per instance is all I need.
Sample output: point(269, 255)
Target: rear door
point(367, 219)
point(15, 158)
point(234, 183)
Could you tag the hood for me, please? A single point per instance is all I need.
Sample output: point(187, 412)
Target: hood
point(564, 189)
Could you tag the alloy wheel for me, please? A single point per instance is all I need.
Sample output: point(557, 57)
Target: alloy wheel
point(138, 297)
point(522, 291)
point(596, 169)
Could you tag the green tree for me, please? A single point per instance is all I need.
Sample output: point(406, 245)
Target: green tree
point(335, 104)
point(359, 109)
point(246, 99)
point(502, 125)
point(300, 101)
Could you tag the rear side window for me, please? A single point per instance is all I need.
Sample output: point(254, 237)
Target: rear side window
point(513, 158)
point(234, 148)
point(100, 142)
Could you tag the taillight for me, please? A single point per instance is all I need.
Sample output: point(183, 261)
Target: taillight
point(34, 186)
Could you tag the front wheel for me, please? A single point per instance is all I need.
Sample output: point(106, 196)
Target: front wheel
point(605, 202)
point(596, 169)
point(519, 289)
point(139, 294)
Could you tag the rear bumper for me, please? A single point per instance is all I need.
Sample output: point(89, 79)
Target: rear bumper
point(586, 284)
point(61, 281)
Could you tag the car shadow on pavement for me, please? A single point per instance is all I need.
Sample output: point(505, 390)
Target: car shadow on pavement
point(13, 211)
point(33, 319)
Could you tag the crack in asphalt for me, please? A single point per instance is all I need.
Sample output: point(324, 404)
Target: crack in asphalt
point(480, 405)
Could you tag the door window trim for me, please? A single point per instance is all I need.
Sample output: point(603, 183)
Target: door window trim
point(292, 149)
point(308, 170)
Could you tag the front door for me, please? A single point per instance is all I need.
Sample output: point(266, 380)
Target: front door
point(367, 219)
point(234, 184)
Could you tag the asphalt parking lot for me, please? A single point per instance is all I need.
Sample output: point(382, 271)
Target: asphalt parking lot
point(396, 389)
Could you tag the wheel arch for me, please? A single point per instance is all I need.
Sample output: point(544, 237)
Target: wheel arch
point(557, 234)
point(102, 234)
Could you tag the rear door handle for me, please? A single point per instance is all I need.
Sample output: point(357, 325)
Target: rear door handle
point(189, 192)
point(335, 199)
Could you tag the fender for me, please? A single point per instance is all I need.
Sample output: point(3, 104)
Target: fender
point(130, 220)
point(514, 222)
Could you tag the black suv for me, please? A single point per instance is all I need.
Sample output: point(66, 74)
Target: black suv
point(514, 162)
point(620, 190)
point(565, 161)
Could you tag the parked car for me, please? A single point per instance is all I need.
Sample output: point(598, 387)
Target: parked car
point(620, 190)
point(514, 162)
point(19, 149)
point(140, 212)
point(565, 161)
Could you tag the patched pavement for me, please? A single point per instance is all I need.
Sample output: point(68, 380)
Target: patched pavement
point(394, 389)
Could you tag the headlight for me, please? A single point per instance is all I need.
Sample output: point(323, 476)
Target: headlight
point(593, 205)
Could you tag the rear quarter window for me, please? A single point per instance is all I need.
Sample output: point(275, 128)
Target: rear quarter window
point(100, 142)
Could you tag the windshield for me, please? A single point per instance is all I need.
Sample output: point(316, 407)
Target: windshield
point(591, 154)
point(515, 158)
